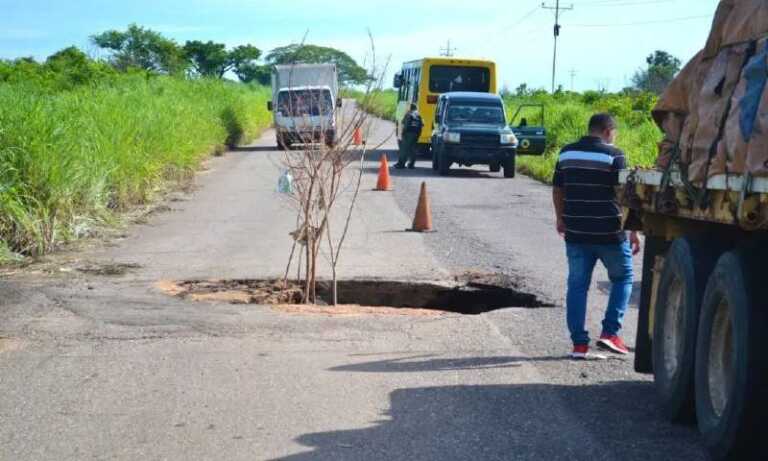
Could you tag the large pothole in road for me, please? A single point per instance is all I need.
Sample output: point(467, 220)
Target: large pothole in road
point(465, 298)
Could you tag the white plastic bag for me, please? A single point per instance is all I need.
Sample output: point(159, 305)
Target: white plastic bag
point(285, 183)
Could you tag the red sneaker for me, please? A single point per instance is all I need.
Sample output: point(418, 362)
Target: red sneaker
point(580, 351)
point(612, 343)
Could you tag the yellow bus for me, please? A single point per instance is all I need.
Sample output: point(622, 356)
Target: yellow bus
point(423, 80)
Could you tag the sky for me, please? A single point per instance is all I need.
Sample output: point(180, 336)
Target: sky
point(602, 42)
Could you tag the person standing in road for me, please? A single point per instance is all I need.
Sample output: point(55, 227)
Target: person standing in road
point(411, 126)
point(589, 217)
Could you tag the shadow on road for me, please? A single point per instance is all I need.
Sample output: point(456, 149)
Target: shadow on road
point(425, 170)
point(425, 363)
point(605, 287)
point(617, 420)
point(253, 149)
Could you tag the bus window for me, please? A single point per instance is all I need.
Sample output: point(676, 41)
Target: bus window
point(443, 79)
point(416, 84)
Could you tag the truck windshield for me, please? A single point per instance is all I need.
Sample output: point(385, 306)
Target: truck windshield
point(443, 79)
point(296, 103)
point(466, 113)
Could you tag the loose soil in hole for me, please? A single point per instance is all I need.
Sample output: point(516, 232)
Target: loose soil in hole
point(358, 296)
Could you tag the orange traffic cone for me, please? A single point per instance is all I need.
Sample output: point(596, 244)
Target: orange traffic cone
point(383, 182)
point(422, 222)
point(357, 137)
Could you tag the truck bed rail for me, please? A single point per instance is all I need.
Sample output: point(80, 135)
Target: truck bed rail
point(733, 200)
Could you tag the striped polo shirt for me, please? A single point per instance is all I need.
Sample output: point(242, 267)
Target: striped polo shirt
point(588, 172)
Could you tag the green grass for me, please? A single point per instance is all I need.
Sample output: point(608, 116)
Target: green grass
point(70, 159)
point(382, 104)
point(566, 117)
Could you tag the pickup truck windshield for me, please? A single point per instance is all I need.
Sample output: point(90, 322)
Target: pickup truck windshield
point(486, 115)
point(297, 103)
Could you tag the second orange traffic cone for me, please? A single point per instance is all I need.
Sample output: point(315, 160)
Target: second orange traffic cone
point(422, 222)
point(384, 182)
point(357, 137)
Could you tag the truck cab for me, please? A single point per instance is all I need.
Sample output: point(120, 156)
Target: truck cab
point(305, 115)
point(471, 129)
point(304, 102)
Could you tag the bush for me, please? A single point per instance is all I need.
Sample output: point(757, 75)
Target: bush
point(69, 159)
point(566, 122)
point(381, 103)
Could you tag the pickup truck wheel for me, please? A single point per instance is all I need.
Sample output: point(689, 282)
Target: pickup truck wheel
point(676, 319)
point(731, 363)
point(443, 164)
point(495, 167)
point(509, 167)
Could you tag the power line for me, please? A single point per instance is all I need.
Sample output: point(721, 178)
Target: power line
point(557, 9)
point(526, 16)
point(626, 3)
point(642, 23)
point(620, 2)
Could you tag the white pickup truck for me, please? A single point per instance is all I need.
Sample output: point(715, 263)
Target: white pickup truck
point(304, 102)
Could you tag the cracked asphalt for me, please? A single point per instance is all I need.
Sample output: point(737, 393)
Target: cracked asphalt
point(97, 366)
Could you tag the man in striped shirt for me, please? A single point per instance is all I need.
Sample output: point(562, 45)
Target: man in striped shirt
point(589, 217)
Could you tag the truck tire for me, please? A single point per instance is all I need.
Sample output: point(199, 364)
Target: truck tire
point(283, 144)
point(686, 268)
point(731, 360)
point(509, 167)
point(495, 167)
point(654, 246)
point(443, 164)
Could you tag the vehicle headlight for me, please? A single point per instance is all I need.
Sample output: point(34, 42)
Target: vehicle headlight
point(508, 138)
point(452, 137)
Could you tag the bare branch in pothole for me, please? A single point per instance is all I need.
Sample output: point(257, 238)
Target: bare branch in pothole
point(320, 172)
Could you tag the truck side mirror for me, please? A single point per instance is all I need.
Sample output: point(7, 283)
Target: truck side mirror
point(269, 106)
point(338, 102)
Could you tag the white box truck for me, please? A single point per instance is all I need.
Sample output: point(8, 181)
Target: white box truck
point(304, 102)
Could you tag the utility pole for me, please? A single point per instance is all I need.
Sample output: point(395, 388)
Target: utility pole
point(447, 51)
point(573, 76)
point(557, 9)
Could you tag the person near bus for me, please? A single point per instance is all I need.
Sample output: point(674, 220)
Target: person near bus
point(589, 217)
point(411, 126)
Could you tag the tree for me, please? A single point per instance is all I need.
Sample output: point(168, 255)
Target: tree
point(321, 184)
point(662, 68)
point(349, 71)
point(142, 48)
point(522, 90)
point(72, 67)
point(250, 72)
point(211, 59)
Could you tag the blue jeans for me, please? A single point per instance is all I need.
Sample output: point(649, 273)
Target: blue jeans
point(617, 259)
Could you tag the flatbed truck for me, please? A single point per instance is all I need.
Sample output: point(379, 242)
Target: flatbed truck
point(703, 313)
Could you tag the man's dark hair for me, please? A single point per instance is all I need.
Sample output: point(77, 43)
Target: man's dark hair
point(601, 122)
point(414, 106)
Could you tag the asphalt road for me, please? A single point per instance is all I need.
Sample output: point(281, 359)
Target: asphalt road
point(100, 366)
